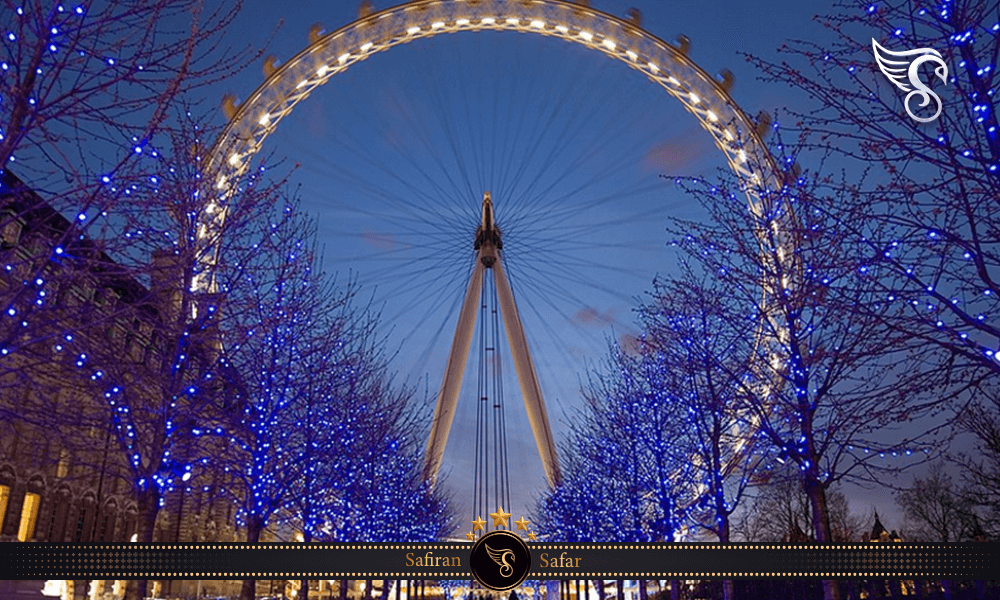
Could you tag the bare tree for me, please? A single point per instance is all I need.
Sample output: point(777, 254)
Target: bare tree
point(623, 461)
point(980, 467)
point(922, 197)
point(700, 356)
point(836, 389)
point(779, 511)
point(160, 374)
point(83, 82)
point(935, 510)
point(88, 90)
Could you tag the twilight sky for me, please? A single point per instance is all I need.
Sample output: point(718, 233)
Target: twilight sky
point(393, 157)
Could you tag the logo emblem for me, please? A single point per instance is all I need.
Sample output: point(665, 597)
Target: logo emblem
point(500, 560)
point(902, 69)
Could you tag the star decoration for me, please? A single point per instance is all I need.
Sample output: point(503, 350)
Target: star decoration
point(500, 517)
point(470, 536)
point(531, 535)
point(479, 524)
point(522, 523)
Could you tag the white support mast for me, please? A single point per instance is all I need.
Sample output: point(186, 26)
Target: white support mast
point(488, 245)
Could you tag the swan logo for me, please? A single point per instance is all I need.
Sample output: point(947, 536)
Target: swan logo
point(903, 70)
point(500, 557)
point(500, 560)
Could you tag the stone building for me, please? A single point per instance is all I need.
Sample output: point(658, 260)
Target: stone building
point(62, 473)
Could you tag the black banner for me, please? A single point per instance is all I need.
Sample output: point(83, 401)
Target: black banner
point(451, 561)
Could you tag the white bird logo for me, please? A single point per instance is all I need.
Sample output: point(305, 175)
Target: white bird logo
point(500, 558)
point(903, 70)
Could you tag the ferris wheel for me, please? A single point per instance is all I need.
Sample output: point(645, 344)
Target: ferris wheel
point(492, 212)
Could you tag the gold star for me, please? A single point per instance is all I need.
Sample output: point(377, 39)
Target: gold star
point(500, 517)
point(522, 523)
point(479, 524)
point(531, 535)
point(470, 536)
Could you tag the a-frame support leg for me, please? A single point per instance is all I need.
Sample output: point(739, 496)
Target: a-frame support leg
point(526, 376)
point(444, 412)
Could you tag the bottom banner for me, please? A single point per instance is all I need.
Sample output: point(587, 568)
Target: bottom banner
point(494, 560)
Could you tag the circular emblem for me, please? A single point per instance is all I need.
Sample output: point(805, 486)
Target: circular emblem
point(500, 560)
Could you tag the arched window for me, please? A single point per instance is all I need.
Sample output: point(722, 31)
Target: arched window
point(6, 485)
point(60, 512)
point(29, 509)
point(131, 520)
point(88, 512)
point(4, 498)
point(106, 528)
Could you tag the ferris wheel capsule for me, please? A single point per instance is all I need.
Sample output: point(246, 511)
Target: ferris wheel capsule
point(726, 80)
point(634, 16)
point(315, 32)
point(683, 44)
point(229, 106)
point(270, 65)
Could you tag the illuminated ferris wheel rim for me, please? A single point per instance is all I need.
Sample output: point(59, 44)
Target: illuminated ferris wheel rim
point(707, 99)
point(702, 95)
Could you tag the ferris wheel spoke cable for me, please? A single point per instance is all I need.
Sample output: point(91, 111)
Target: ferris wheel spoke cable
point(548, 275)
point(439, 102)
point(403, 208)
point(563, 99)
point(587, 149)
point(563, 142)
point(431, 202)
point(565, 206)
point(544, 324)
point(414, 284)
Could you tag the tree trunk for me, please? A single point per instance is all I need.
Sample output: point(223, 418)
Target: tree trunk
point(821, 528)
point(675, 589)
point(621, 589)
point(368, 589)
point(148, 501)
point(304, 584)
point(343, 589)
point(728, 590)
point(643, 593)
point(599, 584)
point(249, 589)
point(386, 585)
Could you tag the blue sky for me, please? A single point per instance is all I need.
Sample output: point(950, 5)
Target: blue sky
point(393, 157)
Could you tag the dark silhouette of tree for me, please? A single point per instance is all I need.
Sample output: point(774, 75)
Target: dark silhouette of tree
point(980, 467)
point(935, 510)
point(779, 511)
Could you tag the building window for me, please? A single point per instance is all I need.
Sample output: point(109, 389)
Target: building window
point(62, 469)
point(29, 514)
point(10, 230)
point(4, 496)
